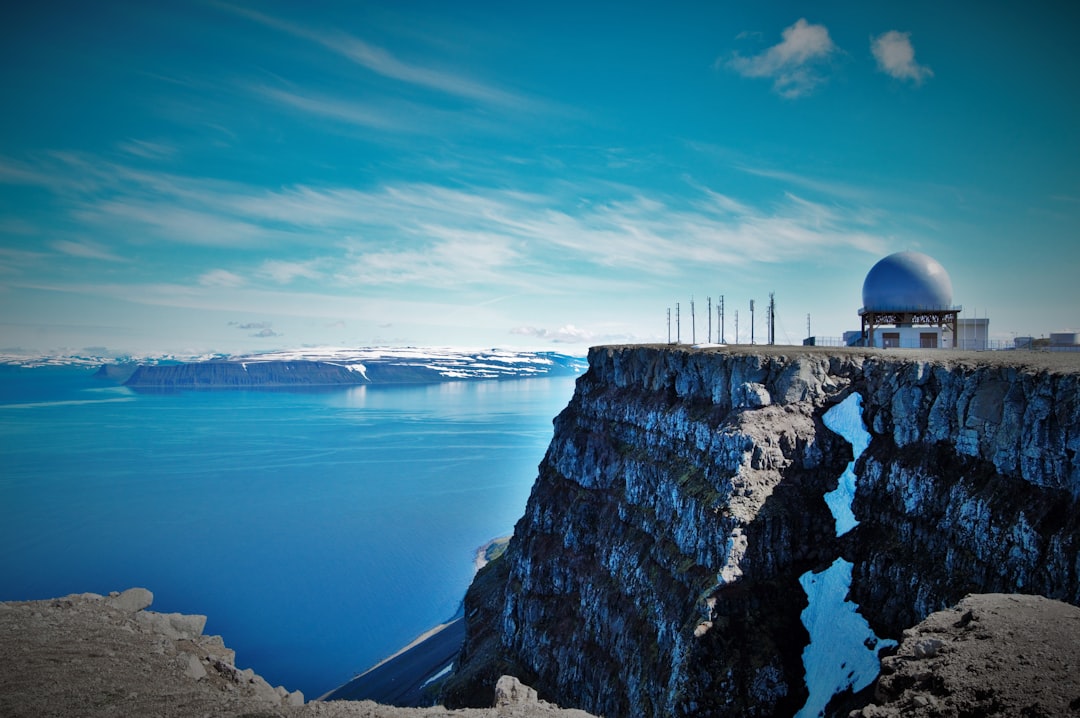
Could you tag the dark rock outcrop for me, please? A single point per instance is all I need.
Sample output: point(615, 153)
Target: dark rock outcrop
point(656, 569)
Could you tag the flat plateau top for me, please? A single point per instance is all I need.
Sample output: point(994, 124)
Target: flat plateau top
point(1064, 362)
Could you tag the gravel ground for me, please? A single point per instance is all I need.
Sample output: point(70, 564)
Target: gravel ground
point(93, 656)
point(1025, 360)
point(993, 655)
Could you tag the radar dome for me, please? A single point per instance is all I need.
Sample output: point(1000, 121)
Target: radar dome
point(907, 280)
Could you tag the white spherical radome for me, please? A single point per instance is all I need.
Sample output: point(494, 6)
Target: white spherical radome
point(907, 280)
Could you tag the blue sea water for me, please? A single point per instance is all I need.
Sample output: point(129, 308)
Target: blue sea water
point(319, 531)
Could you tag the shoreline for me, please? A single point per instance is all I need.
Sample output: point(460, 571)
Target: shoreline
point(484, 553)
point(426, 635)
point(423, 660)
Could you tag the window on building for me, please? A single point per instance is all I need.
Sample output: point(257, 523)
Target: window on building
point(890, 339)
point(928, 340)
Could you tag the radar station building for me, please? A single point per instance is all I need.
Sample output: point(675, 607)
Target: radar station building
point(907, 302)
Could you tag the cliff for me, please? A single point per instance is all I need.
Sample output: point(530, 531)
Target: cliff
point(329, 367)
point(224, 374)
point(695, 545)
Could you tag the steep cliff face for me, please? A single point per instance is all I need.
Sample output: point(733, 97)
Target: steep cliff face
point(657, 568)
point(335, 367)
point(227, 374)
point(970, 485)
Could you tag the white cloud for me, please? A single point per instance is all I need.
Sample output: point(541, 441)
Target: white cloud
point(265, 329)
point(568, 334)
point(284, 272)
point(12, 172)
point(221, 278)
point(465, 243)
point(382, 62)
point(146, 149)
point(350, 112)
point(86, 250)
point(13, 261)
point(168, 218)
point(792, 63)
point(838, 190)
point(896, 57)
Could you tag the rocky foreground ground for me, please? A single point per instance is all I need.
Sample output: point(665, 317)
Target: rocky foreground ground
point(90, 655)
point(991, 655)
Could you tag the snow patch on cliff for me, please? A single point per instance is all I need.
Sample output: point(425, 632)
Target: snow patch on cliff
point(843, 650)
point(846, 420)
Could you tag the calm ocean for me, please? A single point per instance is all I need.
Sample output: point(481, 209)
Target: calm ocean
point(320, 531)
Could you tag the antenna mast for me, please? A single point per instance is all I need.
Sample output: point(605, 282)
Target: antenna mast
point(751, 321)
point(710, 319)
point(678, 325)
point(772, 319)
point(693, 322)
point(720, 311)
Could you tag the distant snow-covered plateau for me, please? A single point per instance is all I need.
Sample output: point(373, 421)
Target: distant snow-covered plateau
point(322, 366)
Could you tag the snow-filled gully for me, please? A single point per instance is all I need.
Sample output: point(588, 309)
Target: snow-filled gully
point(843, 650)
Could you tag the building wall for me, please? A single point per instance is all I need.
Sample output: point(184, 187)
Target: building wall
point(973, 333)
point(886, 337)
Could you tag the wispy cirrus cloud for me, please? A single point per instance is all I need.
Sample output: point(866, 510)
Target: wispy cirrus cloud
point(86, 250)
point(14, 261)
point(567, 334)
point(387, 115)
point(385, 64)
point(19, 173)
point(382, 62)
point(147, 149)
point(221, 278)
point(794, 64)
point(826, 187)
point(895, 56)
point(285, 272)
point(158, 217)
point(347, 111)
point(447, 239)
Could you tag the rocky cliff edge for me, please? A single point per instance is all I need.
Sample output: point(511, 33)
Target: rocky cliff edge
point(92, 656)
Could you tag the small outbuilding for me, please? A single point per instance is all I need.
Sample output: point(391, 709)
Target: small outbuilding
point(1065, 339)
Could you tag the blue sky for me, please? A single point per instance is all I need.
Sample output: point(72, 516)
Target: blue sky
point(231, 176)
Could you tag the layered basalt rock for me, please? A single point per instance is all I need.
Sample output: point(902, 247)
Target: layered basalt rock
point(656, 569)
